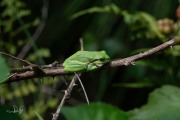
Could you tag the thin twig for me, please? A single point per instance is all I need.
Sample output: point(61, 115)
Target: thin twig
point(82, 88)
point(16, 58)
point(117, 63)
point(130, 60)
point(81, 44)
point(53, 65)
point(66, 95)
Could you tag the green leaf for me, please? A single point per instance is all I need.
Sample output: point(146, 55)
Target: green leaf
point(94, 111)
point(175, 51)
point(112, 8)
point(163, 104)
point(4, 70)
point(144, 22)
point(40, 53)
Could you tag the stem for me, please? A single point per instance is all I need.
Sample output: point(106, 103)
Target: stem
point(82, 88)
point(19, 59)
point(130, 60)
point(66, 95)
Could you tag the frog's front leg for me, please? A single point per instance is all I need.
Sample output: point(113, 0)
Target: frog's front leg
point(94, 64)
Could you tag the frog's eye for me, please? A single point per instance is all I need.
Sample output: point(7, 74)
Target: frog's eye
point(101, 59)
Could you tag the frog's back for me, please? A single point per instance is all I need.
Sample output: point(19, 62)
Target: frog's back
point(90, 55)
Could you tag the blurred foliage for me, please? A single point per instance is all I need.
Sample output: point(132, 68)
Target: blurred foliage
point(163, 104)
point(16, 27)
point(38, 54)
point(95, 111)
point(143, 24)
point(12, 14)
point(121, 28)
point(4, 71)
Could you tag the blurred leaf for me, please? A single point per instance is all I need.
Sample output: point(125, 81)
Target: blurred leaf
point(53, 102)
point(175, 51)
point(163, 104)
point(144, 22)
point(17, 93)
point(36, 22)
point(24, 90)
point(4, 70)
point(95, 111)
point(22, 28)
point(40, 53)
point(112, 8)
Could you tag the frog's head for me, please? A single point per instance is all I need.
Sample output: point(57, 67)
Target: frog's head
point(104, 57)
point(100, 59)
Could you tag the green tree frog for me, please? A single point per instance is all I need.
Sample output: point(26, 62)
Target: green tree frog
point(85, 61)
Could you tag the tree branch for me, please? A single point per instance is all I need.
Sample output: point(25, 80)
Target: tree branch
point(53, 71)
point(130, 60)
